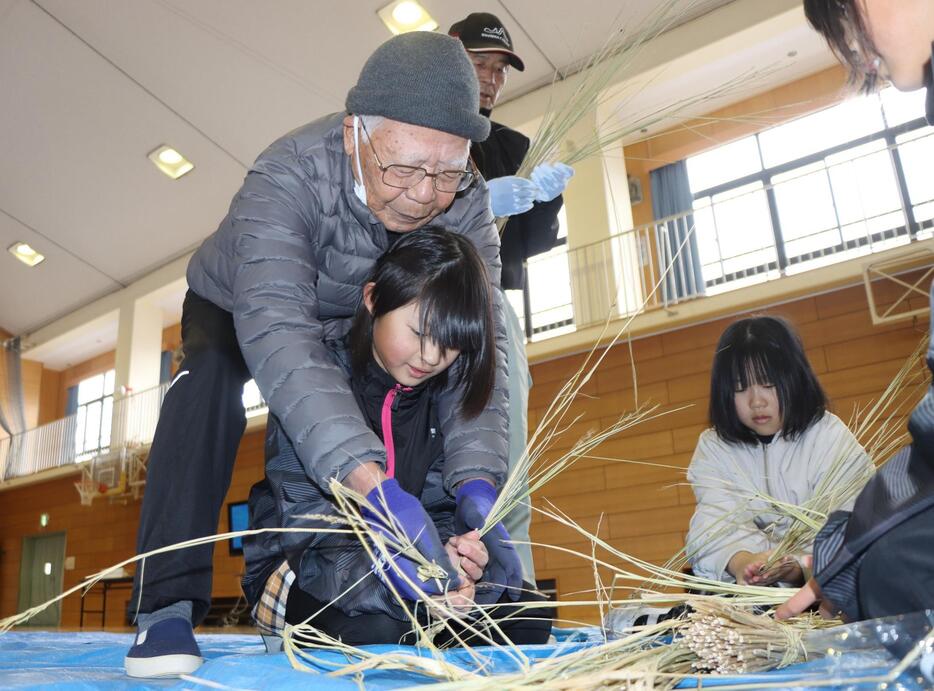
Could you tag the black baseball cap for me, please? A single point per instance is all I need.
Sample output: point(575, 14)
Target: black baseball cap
point(482, 32)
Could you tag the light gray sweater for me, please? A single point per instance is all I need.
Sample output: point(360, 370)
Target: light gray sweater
point(729, 481)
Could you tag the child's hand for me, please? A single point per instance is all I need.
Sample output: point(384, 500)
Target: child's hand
point(786, 570)
point(469, 553)
point(743, 565)
point(462, 599)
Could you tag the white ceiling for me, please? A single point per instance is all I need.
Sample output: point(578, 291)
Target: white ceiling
point(89, 88)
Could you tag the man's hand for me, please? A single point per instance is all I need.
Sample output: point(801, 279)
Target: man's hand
point(740, 563)
point(551, 179)
point(462, 599)
point(800, 601)
point(511, 195)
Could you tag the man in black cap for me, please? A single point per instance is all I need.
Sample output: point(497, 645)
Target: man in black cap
point(282, 275)
point(532, 206)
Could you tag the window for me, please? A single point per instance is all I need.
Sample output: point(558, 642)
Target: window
point(916, 152)
point(843, 182)
point(547, 294)
point(728, 162)
point(94, 415)
point(253, 402)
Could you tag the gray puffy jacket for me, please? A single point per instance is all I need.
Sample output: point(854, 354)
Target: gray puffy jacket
point(289, 262)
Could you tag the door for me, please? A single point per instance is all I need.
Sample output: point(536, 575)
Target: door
point(41, 575)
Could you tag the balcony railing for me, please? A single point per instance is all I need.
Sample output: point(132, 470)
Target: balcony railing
point(54, 445)
point(725, 243)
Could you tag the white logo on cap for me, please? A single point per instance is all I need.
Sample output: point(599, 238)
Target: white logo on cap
point(498, 33)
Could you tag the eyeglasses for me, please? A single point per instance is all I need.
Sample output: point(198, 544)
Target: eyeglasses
point(405, 177)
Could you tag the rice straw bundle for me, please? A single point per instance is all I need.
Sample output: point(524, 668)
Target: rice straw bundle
point(729, 640)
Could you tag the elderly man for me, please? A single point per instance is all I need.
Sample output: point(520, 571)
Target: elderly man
point(284, 273)
point(532, 207)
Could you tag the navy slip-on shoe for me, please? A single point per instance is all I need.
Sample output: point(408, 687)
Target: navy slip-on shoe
point(166, 649)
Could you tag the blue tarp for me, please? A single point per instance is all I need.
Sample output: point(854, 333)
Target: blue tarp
point(60, 660)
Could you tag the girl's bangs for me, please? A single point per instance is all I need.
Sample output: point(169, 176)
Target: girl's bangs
point(451, 319)
point(755, 366)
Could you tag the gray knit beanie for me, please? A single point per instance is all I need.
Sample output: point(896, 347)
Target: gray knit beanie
point(422, 78)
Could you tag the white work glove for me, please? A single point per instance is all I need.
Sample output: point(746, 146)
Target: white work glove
point(511, 195)
point(551, 179)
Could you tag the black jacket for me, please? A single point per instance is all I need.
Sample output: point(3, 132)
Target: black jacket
point(326, 564)
point(901, 490)
point(525, 235)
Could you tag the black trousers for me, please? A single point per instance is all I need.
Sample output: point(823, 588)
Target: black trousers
point(528, 626)
point(191, 461)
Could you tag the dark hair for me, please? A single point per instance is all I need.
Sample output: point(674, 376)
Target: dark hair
point(763, 350)
point(445, 275)
point(841, 24)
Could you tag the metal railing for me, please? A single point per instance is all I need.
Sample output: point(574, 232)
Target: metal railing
point(704, 252)
point(54, 445)
point(654, 265)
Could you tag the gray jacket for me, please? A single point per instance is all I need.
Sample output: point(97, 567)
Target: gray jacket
point(289, 262)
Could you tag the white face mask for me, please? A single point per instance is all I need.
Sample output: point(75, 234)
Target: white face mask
point(358, 188)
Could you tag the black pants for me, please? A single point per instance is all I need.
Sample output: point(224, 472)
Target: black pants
point(521, 626)
point(191, 461)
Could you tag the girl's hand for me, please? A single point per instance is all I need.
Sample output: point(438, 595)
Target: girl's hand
point(469, 553)
point(786, 570)
point(462, 599)
point(742, 563)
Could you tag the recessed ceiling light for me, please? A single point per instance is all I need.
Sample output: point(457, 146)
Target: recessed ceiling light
point(25, 253)
point(402, 16)
point(170, 162)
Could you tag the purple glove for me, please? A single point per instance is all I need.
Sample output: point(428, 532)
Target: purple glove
point(474, 500)
point(392, 503)
point(551, 179)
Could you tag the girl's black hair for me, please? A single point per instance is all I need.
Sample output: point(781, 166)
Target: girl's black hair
point(841, 24)
point(763, 350)
point(445, 275)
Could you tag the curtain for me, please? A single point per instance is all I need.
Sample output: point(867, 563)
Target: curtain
point(12, 410)
point(671, 195)
point(165, 367)
point(71, 401)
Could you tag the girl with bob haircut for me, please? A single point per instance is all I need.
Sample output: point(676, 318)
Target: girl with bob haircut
point(424, 325)
point(771, 436)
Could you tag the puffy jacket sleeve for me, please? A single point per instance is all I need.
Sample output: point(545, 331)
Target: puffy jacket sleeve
point(275, 313)
point(478, 447)
point(722, 524)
